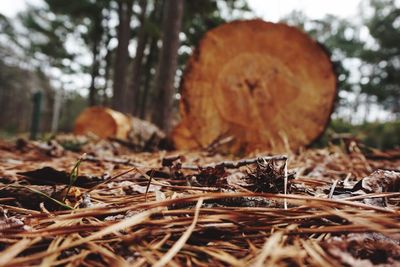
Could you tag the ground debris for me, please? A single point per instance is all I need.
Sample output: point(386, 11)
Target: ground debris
point(50, 176)
point(365, 250)
point(132, 208)
point(380, 181)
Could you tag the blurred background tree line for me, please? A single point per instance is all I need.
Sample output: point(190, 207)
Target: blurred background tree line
point(123, 54)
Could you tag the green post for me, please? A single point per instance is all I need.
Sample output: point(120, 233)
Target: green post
point(37, 103)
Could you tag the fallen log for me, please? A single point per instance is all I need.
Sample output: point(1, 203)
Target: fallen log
point(103, 122)
point(269, 86)
point(131, 131)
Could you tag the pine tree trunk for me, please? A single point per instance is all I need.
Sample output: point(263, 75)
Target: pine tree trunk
point(150, 62)
point(94, 73)
point(119, 101)
point(367, 105)
point(107, 61)
point(108, 66)
point(58, 99)
point(148, 84)
point(96, 34)
point(137, 63)
point(165, 87)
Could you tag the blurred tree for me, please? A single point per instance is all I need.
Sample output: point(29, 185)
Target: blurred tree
point(137, 61)
point(166, 72)
point(374, 44)
point(18, 80)
point(45, 38)
point(119, 101)
point(381, 69)
point(16, 87)
point(153, 33)
point(50, 37)
point(88, 20)
point(58, 36)
point(198, 18)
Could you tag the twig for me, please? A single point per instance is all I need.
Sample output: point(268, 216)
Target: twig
point(148, 184)
point(125, 172)
point(182, 240)
point(285, 183)
point(225, 164)
point(235, 164)
point(127, 162)
point(112, 178)
point(332, 189)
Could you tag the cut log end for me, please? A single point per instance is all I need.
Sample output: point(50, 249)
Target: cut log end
point(270, 86)
point(103, 122)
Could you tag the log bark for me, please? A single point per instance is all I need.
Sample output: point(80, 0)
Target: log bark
point(270, 86)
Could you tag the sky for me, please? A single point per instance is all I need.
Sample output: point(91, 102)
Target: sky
point(271, 10)
point(11, 7)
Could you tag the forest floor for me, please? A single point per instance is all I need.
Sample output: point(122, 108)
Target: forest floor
point(318, 207)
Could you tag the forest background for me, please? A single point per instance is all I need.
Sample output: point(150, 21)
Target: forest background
point(121, 53)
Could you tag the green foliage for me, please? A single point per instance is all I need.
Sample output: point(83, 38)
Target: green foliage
point(377, 135)
point(74, 175)
point(381, 135)
point(5, 26)
point(377, 53)
point(382, 61)
point(47, 38)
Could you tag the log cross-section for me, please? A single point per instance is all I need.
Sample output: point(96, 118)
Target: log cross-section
point(269, 86)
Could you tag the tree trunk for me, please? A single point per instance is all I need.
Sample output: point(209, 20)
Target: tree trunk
point(119, 101)
point(266, 86)
point(150, 61)
point(95, 35)
point(94, 73)
point(354, 109)
point(107, 60)
point(151, 57)
point(367, 105)
point(107, 68)
point(58, 99)
point(137, 63)
point(165, 86)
